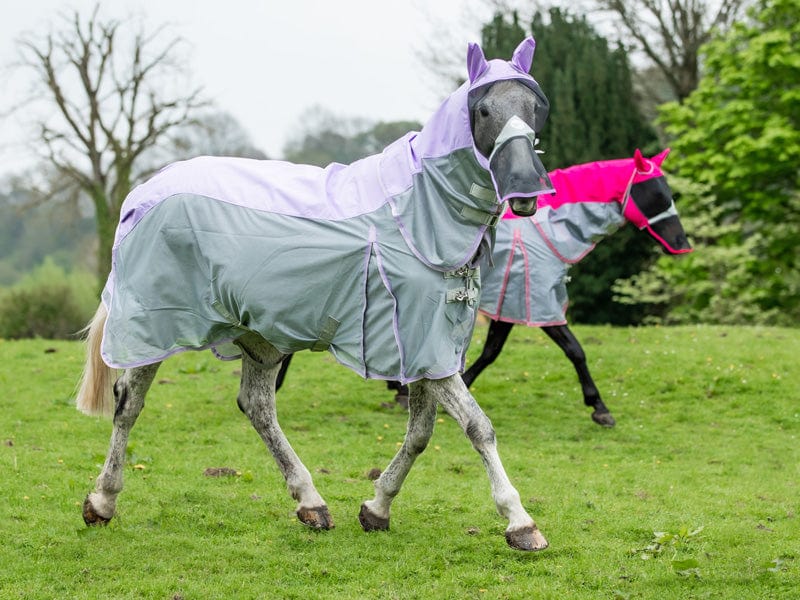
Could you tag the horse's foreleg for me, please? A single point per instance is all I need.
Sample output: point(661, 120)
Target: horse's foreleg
point(453, 395)
point(129, 393)
point(260, 365)
point(498, 333)
point(421, 418)
point(565, 339)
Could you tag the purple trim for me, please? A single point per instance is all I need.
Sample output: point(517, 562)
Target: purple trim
point(522, 322)
point(473, 248)
point(395, 326)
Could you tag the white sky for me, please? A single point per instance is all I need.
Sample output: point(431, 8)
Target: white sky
point(265, 62)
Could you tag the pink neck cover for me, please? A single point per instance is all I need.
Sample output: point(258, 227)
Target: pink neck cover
point(602, 181)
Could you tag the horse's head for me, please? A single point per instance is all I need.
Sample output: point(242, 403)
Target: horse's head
point(507, 108)
point(648, 204)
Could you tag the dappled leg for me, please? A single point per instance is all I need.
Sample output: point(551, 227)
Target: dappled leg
point(452, 394)
point(260, 365)
point(498, 333)
point(421, 418)
point(565, 339)
point(129, 392)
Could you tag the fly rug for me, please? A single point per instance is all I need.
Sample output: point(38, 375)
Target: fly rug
point(376, 262)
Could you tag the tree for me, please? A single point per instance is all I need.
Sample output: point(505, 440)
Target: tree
point(325, 138)
point(738, 134)
point(213, 134)
point(593, 116)
point(670, 33)
point(113, 98)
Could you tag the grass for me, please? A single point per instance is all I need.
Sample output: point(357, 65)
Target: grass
point(693, 495)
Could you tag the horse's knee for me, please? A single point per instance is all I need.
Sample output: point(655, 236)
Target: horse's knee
point(480, 431)
point(416, 444)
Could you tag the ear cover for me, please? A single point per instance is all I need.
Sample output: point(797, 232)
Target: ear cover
point(640, 162)
point(476, 62)
point(523, 55)
point(659, 158)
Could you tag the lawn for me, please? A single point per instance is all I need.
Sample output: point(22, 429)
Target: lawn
point(695, 493)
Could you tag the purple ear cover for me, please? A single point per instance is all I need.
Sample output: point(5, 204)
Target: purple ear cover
point(523, 55)
point(476, 62)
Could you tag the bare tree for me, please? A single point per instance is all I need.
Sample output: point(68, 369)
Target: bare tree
point(110, 96)
point(670, 33)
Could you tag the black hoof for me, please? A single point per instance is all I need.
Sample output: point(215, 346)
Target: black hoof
point(402, 399)
point(370, 521)
point(603, 418)
point(90, 517)
point(316, 518)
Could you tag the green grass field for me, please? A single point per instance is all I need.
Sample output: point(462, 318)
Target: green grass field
point(695, 493)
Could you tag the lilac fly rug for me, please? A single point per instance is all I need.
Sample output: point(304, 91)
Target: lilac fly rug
point(373, 261)
point(532, 256)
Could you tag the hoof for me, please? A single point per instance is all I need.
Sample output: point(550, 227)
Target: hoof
point(603, 418)
point(90, 516)
point(370, 521)
point(316, 518)
point(402, 399)
point(528, 539)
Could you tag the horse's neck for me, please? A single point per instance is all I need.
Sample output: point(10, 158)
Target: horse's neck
point(589, 197)
point(602, 181)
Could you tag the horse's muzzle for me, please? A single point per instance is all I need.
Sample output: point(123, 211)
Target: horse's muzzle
point(522, 207)
point(519, 175)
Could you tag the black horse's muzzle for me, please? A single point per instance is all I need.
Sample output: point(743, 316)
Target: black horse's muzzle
point(517, 171)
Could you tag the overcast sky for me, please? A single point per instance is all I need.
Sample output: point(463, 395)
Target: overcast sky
point(266, 62)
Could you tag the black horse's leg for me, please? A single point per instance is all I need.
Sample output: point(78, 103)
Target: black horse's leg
point(498, 334)
point(401, 397)
point(565, 339)
point(282, 372)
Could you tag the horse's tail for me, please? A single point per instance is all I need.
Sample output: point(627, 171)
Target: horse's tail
point(95, 396)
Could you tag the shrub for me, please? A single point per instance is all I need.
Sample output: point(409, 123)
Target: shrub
point(49, 303)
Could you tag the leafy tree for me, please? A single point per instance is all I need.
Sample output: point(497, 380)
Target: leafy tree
point(738, 133)
point(108, 99)
point(593, 116)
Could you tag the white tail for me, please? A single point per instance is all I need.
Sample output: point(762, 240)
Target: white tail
point(95, 396)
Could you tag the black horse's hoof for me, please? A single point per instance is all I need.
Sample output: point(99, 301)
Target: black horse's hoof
point(603, 418)
point(401, 398)
point(370, 521)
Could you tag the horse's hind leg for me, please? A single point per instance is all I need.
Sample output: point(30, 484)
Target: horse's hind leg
point(570, 345)
point(260, 365)
point(452, 394)
point(374, 514)
point(129, 393)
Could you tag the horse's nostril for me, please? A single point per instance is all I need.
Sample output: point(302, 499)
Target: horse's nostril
point(523, 207)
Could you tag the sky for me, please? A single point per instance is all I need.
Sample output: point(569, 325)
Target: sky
point(266, 62)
